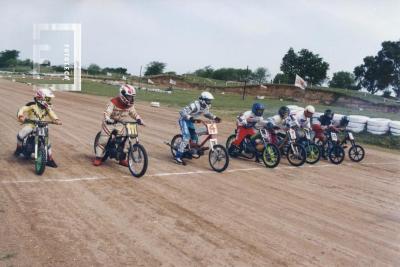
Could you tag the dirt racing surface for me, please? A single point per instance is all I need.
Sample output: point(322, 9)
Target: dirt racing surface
point(81, 215)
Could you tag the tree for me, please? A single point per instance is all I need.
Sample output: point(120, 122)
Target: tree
point(290, 65)
point(260, 75)
point(206, 72)
point(94, 69)
point(9, 58)
point(155, 68)
point(231, 74)
point(305, 63)
point(390, 53)
point(374, 75)
point(343, 79)
point(281, 78)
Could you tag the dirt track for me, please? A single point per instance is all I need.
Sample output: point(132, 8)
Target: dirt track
point(80, 215)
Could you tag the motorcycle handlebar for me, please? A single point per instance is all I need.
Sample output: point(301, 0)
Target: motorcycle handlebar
point(38, 122)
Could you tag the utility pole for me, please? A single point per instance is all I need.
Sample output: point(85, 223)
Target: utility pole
point(245, 83)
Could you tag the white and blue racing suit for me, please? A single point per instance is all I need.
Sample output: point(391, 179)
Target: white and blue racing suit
point(193, 110)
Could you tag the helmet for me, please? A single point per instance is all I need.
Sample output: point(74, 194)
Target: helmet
point(127, 94)
point(329, 114)
point(283, 112)
point(258, 109)
point(344, 121)
point(43, 97)
point(309, 110)
point(206, 98)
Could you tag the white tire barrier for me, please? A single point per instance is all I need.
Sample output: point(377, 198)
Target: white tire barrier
point(378, 128)
point(378, 125)
point(394, 131)
point(355, 129)
point(155, 104)
point(358, 119)
point(378, 122)
point(394, 124)
point(376, 132)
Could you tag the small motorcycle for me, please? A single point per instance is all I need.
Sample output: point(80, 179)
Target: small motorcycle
point(331, 147)
point(295, 152)
point(356, 152)
point(312, 149)
point(257, 146)
point(217, 157)
point(114, 149)
point(37, 142)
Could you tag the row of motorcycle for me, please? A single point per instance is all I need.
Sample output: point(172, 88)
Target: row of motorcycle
point(298, 145)
point(267, 146)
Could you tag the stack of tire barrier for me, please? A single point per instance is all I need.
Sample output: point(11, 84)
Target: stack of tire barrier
point(357, 123)
point(378, 126)
point(295, 109)
point(395, 128)
point(336, 119)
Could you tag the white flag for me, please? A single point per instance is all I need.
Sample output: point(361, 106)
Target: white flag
point(172, 82)
point(150, 81)
point(299, 82)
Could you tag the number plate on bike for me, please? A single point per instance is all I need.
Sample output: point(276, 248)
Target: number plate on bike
point(41, 132)
point(212, 128)
point(334, 137)
point(264, 134)
point(132, 129)
point(351, 137)
point(292, 134)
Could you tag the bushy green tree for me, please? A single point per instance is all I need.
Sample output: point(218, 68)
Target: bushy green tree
point(155, 68)
point(343, 79)
point(305, 63)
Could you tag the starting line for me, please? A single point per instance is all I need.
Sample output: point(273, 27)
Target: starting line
point(163, 174)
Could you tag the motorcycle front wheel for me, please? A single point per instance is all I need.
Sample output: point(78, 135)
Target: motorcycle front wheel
point(137, 160)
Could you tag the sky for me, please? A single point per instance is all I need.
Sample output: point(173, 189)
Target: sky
point(188, 35)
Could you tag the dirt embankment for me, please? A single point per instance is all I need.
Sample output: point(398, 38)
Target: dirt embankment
point(313, 96)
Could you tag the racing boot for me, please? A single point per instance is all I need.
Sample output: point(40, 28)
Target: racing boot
point(233, 150)
point(18, 151)
point(124, 162)
point(97, 161)
point(51, 163)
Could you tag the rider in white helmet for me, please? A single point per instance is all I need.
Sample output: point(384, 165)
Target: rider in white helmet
point(304, 117)
point(39, 109)
point(188, 115)
point(120, 108)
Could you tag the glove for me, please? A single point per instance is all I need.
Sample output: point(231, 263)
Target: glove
point(192, 119)
point(110, 121)
point(21, 119)
point(217, 119)
point(140, 121)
